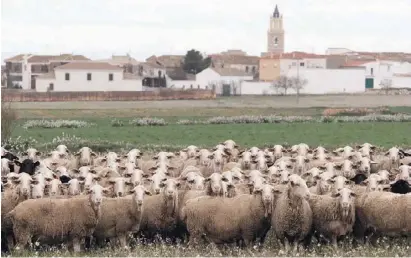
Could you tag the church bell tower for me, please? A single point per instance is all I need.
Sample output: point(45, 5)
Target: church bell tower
point(275, 34)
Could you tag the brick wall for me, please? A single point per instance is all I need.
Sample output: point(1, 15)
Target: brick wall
point(163, 94)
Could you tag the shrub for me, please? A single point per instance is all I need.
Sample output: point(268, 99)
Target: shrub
point(148, 121)
point(56, 124)
point(116, 123)
point(8, 120)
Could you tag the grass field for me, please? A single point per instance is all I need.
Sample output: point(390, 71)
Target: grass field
point(102, 136)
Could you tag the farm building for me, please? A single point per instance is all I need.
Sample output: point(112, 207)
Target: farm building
point(218, 77)
point(394, 74)
point(88, 76)
point(319, 81)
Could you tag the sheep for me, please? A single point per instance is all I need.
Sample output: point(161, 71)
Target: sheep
point(85, 157)
point(217, 161)
point(300, 164)
point(73, 218)
point(243, 218)
point(27, 166)
point(136, 177)
point(278, 151)
point(63, 150)
point(323, 185)
point(202, 157)
point(230, 144)
point(118, 185)
point(16, 191)
point(292, 215)
point(5, 166)
point(160, 212)
point(121, 216)
point(339, 182)
point(32, 154)
point(402, 172)
point(73, 187)
point(310, 176)
point(333, 216)
point(133, 156)
point(246, 160)
point(346, 169)
point(230, 165)
point(156, 181)
point(386, 213)
point(400, 187)
point(216, 185)
point(344, 152)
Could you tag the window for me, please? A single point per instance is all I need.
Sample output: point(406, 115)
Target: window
point(253, 69)
point(110, 76)
point(67, 76)
point(388, 68)
point(372, 71)
point(301, 64)
point(89, 77)
point(51, 86)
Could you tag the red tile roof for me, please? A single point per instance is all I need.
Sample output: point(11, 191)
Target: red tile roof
point(88, 66)
point(16, 58)
point(235, 59)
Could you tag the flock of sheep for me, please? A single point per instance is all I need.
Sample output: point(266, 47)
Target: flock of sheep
point(224, 195)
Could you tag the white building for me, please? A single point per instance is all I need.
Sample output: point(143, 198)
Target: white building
point(88, 76)
point(301, 61)
point(319, 81)
point(215, 78)
point(397, 73)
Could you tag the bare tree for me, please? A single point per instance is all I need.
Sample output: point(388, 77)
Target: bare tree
point(298, 84)
point(283, 82)
point(8, 119)
point(386, 85)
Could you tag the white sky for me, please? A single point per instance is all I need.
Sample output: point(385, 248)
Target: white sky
point(100, 28)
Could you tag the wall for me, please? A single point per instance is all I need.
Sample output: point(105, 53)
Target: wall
point(320, 81)
point(256, 88)
point(324, 81)
point(309, 63)
point(269, 69)
point(99, 81)
point(163, 94)
point(178, 84)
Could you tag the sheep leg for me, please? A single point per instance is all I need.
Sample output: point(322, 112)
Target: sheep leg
point(10, 242)
point(334, 242)
point(122, 241)
point(295, 247)
point(76, 245)
point(22, 238)
point(286, 245)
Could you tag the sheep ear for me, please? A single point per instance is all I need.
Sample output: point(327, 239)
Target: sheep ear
point(147, 192)
point(93, 154)
point(335, 194)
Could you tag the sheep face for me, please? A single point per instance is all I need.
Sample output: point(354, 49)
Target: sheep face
point(256, 183)
point(156, 181)
point(54, 187)
point(346, 200)
point(37, 191)
point(215, 184)
point(96, 194)
point(364, 165)
point(136, 177)
point(138, 195)
point(62, 149)
point(246, 159)
point(73, 187)
point(300, 163)
point(298, 187)
point(170, 188)
point(85, 155)
point(339, 182)
point(119, 185)
point(24, 184)
point(202, 157)
point(32, 154)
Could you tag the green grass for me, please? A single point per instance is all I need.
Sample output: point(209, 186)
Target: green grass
point(386, 247)
point(383, 134)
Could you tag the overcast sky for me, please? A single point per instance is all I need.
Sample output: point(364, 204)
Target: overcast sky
point(99, 28)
